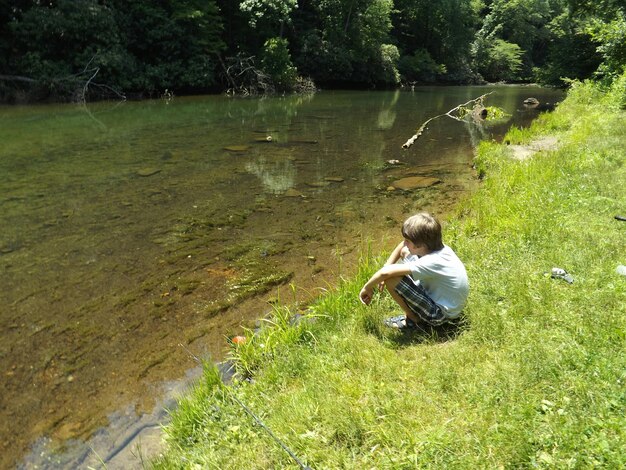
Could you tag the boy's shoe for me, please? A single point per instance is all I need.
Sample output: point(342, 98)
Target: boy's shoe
point(401, 323)
point(391, 321)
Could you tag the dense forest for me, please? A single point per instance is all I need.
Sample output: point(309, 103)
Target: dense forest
point(89, 49)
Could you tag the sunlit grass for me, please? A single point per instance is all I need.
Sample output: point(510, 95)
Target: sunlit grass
point(532, 377)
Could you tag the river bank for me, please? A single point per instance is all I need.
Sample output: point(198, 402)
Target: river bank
point(534, 376)
point(131, 230)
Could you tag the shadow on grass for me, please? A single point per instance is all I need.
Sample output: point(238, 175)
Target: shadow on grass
point(423, 333)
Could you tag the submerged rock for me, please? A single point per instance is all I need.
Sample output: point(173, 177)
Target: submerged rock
point(334, 179)
point(293, 193)
point(415, 182)
point(237, 148)
point(148, 171)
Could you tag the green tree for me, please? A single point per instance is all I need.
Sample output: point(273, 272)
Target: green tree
point(9, 13)
point(61, 44)
point(437, 36)
point(520, 22)
point(595, 30)
point(420, 67)
point(559, 63)
point(276, 62)
point(172, 44)
point(201, 23)
point(605, 10)
point(135, 46)
point(612, 45)
point(269, 14)
point(499, 60)
point(351, 43)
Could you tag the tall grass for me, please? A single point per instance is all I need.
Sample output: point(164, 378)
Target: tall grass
point(533, 377)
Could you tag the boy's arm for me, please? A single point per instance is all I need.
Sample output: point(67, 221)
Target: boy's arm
point(384, 273)
point(394, 258)
point(395, 254)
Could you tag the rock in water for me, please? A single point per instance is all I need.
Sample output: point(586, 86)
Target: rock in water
point(237, 148)
point(293, 193)
point(148, 171)
point(531, 102)
point(415, 182)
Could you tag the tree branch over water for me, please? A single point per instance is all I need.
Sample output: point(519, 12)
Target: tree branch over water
point(458, 113)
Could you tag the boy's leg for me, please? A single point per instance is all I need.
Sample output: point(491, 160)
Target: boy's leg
point(391, 284)
point(414, 298)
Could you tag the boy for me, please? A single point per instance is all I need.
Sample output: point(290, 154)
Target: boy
point(424, 276)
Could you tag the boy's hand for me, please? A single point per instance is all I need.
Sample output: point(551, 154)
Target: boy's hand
point(366, 296)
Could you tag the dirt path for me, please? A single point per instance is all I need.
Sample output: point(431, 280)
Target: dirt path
point(523, 152)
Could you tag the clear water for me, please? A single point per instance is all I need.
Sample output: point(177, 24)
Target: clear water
point(129, 229)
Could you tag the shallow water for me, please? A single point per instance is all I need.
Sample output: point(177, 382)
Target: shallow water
point(129, 229)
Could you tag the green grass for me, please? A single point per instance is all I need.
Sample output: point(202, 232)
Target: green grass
point(534, 377)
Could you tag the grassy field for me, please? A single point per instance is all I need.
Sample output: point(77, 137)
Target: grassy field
point(534, 377)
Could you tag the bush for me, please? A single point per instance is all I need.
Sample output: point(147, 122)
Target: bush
point(420, 67)
point(499, 60)
point(616, 97)
point(276, 62)
point(612, 39)
point(389, 57)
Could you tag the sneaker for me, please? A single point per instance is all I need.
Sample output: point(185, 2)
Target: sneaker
point(401, 323)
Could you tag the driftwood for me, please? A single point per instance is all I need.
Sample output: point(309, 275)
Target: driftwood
point(477, 110)
point(244, 78)
point(104, 90)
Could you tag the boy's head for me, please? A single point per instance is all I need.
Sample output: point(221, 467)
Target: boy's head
point(423, 229)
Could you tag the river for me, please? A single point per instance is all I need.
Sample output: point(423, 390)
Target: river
point(130, 229)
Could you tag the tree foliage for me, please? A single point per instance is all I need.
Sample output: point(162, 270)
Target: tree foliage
point(61, 41)
point(271, 12)
point(276, 62)
point(352, 44)
point(436, 35)
point(144, 47)
point(611, 38)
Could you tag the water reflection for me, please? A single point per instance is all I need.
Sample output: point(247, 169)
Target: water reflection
point(387, 115)
point(276, 174)
point(125, 236)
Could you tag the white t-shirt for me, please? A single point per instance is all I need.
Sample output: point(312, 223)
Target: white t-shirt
point(444, 277)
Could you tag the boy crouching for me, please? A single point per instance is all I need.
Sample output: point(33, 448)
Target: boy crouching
point(424, 276)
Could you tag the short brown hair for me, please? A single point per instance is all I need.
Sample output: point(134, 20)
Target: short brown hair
point(423, 229)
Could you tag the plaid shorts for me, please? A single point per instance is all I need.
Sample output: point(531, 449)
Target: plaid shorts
point(420, 302)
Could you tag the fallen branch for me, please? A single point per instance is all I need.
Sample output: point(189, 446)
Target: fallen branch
point(86, 86)
point(477, 102)
point(245, 78)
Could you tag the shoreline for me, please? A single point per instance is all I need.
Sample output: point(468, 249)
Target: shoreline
point(78, 428)
point(513, 380)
